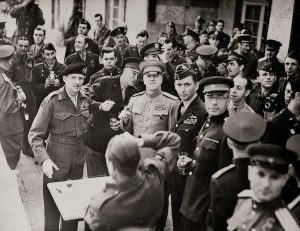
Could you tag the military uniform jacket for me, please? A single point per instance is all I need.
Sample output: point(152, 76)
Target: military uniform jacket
point(11, 121)
point(91, 62)
point(103, 89)
point(176, 60)
point(120, 54)
point(250, 215)
point(70, 47)
point(100, 34)
point(250, 69)
point(149, 114)
point(66, 124)
point(21, 68)
point(188, 125)
point(278, 66)
point(138, 201)
point(36, 55)
point(132, 51)
point(210, 155)
point(104, 72)
point(281, 128)
point(28, 18)
point(224, 41)
point(40, 73)
point(225, 185)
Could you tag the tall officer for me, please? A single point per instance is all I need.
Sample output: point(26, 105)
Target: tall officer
point(242, 129)
point(210, 155)
point(186, 118)
point(64, 115)
point(109, 95)
point(11, 122)
point(261, 208)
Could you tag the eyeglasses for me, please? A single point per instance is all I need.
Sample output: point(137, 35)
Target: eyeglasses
point(217, 97)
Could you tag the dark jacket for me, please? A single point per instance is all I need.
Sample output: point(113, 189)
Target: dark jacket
point(210, 155)
point(99, 127)
point(27, 18)
point(37, 56)
point(132, 51)
point(40, 73)
point(100, 34)
point(138, 201)
point(104, 72)
point(224, 198)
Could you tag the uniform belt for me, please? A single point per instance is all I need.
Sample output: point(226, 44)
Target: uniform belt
point(64, 140)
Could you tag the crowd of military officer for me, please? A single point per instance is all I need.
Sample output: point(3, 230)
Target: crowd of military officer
point(196, 116)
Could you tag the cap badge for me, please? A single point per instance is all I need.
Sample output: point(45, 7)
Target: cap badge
point(156, 46)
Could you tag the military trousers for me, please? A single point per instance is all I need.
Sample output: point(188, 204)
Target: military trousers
point(95, 163)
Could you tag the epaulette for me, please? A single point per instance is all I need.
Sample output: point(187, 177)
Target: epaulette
point(294, 202)
point(139, 93)
point(245, 193)
point(286, 220)
point(222, 171)
point(262, 59)
point(48, 97)
point(169, 95)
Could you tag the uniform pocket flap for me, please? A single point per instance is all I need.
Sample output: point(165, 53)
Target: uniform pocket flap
point(160, 113)
point(136, 110)
point(62, 115)
point(85, 113)
point(208, 143)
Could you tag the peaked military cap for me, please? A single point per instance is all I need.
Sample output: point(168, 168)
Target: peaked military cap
point(245, 127)
point(244, 38)
point(171, 24)
point(117, 31)
point(215, 84)
point(183, 70)
point(212, 23)
point(203, 32)
point(234, 56)
point(295, 54)
point(152, 65)
point(189, 31)
point(83, 21)
point(74, 68)
point(132, 62)
point(6, 51)
point(271, 156)
point(268, 67)
point(273, 43)
point(206, 50)
point(214, 34)
point(200, 19)
point(151, 49)
point(123, 149)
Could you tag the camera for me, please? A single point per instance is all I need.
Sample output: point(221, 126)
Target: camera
point(271, 102)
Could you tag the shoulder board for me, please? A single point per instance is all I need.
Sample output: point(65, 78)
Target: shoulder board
point(294, 202)
point(245, 193)
point(169, 95)
point(138, 94)
point(48, 97)
point(286, 220)
point(5, 77)
point(222, 171)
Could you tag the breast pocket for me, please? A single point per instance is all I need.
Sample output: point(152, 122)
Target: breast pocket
point(162, 114)
point(84, 116)
point(62, 122)
point(209, 149)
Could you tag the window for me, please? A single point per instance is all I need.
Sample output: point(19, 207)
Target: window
point(255, 16)
point(116, 12)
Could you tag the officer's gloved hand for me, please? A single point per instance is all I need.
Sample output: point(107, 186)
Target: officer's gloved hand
point(21, 96)
point(48, 166)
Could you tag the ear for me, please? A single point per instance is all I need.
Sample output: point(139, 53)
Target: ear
point(242, 66)
point(229, 143)
point(197, 86)
point(247, 92)
point(86, 45)
point(64, 78)
point(250, 172)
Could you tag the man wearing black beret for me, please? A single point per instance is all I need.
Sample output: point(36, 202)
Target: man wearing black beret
point(63, 114)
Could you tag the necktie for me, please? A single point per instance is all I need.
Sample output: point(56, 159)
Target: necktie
point(180, 110)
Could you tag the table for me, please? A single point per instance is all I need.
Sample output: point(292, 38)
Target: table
point(73, 196)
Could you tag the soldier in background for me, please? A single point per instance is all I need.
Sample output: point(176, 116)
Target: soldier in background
point(236, 64)
point(191, 38)
point(101, 32)
point(186, 118)
point(36, 49)
point(108, 59)
point(28, 16)
point(242, 130)
point(11, 118)
point(261, 207)
point(46, 76)
point(83, 29)
point(22, 66)
point(141, 41)
point(199, 22)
